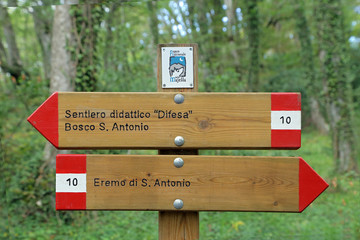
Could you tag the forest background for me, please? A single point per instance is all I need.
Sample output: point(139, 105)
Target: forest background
point(303, 46)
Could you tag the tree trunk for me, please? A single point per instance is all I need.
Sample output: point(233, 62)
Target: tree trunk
point(231, 34)
point(253, 29)
point(11, 63)
point(43, 18)
point(153, 20)
point(192, 20)
point(316, 117)
point(62, 67)
point(109, 61)
point(333, 49)
point(13, 57)
point(200, 8)
point(12, 3)
point(217, 37)
point(86, 21)
point(307, 61)
point(2, 52)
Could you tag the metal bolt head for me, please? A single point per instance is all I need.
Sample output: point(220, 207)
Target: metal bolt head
point(179, 98)
point(179, 141)
point(178, 162)
point(178, 204)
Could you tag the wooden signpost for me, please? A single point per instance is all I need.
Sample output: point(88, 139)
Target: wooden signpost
point(154, 120)
point(138, 182)
point(178, 121)
point(178, 224)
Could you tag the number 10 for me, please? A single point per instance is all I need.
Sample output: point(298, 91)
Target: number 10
point(74, 181)
point(285, 120)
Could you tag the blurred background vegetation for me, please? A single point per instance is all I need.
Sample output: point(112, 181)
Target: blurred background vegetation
point(303, 46)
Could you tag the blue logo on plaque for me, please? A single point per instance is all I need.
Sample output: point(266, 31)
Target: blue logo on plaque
point(177, 67)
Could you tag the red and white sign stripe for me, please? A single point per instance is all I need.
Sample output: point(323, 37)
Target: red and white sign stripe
point(71, 182)
point(285, 120)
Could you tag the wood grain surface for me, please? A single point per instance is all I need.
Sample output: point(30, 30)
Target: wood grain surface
point(178, 225)
point(204, 183)
point(209, 120)
point(175, 224)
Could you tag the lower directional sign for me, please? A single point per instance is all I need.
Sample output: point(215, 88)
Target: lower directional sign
point(201, 183)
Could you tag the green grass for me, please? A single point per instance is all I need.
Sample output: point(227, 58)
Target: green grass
point(333, 215)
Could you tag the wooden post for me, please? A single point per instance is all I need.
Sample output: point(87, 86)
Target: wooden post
point(178, 225)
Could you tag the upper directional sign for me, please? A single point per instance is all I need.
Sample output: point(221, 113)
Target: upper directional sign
point(201, 183)
point(155, 120)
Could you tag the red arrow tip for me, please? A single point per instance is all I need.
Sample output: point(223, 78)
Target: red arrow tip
point(45, 119)
point(311, 185)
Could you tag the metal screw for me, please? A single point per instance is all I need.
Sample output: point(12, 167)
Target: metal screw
point(179, 98)
point(164, 85)
point(178, 162)
point(190, 49)
point(190, 84)
point(179, 141)
point(178, 204)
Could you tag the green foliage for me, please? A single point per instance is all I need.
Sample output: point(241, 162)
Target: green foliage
point(126, 61)
point(224, 82)
point(21, 150)
point(87, 19)
point(335, 72)
point(253, 27)
point(117, 53)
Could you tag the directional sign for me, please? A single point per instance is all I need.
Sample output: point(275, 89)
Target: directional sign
point(155, 120)
point(201, 183)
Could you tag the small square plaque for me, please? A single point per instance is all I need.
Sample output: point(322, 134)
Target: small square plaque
point(177, 67)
